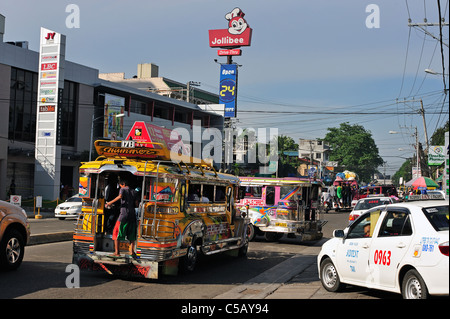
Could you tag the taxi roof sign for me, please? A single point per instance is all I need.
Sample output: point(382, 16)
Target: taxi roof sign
point(424, 197)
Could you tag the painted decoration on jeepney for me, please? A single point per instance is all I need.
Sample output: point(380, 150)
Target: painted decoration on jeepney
point(83, 187)
point(164, 192)
point(217, 228)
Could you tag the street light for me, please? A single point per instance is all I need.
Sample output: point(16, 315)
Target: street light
point(92, 130)
point(430, 71)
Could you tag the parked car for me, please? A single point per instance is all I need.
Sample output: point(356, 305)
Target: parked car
point(70, 208)
point(14, 235)
point(401, 248)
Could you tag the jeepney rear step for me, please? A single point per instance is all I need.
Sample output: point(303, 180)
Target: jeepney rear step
point(147, 269)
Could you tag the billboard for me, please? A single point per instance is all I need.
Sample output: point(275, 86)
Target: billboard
point(237, 35)
point(436, 155)
point(228, 88)
point(146, 132)
point(113, 126)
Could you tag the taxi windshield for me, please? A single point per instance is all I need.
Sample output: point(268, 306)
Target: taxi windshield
point(438, 217)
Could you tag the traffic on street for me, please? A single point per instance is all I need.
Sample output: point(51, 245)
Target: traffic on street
point(252, 168)
point(44, 272)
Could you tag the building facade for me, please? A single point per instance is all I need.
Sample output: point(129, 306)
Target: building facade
point(82, 117)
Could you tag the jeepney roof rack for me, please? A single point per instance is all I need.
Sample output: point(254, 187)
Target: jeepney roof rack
point(139, 150)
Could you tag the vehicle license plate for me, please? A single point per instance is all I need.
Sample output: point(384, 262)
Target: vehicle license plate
point(63, 213)
point(281, 224)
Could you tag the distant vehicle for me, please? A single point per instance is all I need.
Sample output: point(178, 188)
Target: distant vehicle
point(70, 208)
point(14, 235)
point(282, 206)
point(401, 248)
point(367, 203)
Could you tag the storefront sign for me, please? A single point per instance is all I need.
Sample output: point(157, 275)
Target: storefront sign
point(48, 127)
point(237, 35)
point(235, 52)
point(436, 155)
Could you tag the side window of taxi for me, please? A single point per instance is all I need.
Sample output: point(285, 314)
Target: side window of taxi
point(363, 227)
point(396, 223)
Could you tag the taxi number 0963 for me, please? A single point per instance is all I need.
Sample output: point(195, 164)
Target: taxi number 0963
point(382, 257)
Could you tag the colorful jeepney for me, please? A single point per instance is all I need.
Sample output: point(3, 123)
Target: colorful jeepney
point(185, 208)
point(278, 206)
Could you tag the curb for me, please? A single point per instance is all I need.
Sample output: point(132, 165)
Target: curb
point(50, 238)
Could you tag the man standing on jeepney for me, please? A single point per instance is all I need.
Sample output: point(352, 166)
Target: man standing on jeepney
point(126, 223)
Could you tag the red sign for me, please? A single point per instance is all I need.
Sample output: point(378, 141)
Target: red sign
point(238, 33)
point(49, 66)
point(146, 132)
point(46, 108)
point(229, 52)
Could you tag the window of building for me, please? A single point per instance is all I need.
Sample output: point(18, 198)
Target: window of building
point(23, 105)
point(68, 113)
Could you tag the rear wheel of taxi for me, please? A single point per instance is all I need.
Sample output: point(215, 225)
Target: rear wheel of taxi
point(413, 286)
point(12, 249)
point(329, 276)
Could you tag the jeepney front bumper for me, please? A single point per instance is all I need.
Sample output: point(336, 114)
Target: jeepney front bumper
point(294, 227)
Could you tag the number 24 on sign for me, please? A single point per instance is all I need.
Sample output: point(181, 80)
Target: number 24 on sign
point(226, 89)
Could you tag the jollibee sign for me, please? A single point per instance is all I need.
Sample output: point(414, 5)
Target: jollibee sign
point(238, 33)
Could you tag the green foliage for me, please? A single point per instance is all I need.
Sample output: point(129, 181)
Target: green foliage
point(405, 171)
point(354, 149)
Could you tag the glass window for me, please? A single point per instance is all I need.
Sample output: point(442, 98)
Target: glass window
point(438, 217)
point(364, 225)
point(270, 195)
point(396, 223)
point(250, 191)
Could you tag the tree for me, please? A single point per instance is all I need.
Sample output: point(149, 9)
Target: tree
point(286, 164)
point(354, 149)
point(404, 171)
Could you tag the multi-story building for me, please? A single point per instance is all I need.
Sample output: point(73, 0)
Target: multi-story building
point(82, 117)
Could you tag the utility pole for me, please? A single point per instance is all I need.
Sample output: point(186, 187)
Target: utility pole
point(417, 153)
point(422, 112)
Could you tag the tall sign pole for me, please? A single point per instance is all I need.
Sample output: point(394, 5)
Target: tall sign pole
point(238, 34)
point(47, 174)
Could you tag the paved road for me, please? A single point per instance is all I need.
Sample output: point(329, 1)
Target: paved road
point(282, 270)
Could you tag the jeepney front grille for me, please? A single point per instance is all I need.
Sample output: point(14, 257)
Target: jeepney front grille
point(155, 254)
point(160, 229)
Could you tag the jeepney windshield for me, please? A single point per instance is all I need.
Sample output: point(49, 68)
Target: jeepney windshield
point(288, 192)
point(250, 191)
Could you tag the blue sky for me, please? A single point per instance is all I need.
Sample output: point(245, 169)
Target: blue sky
point(306, 56)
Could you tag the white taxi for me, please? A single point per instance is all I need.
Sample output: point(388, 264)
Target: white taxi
point(402, 248)
point(364, 204)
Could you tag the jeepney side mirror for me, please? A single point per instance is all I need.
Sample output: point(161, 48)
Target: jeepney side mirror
point(338, 233)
